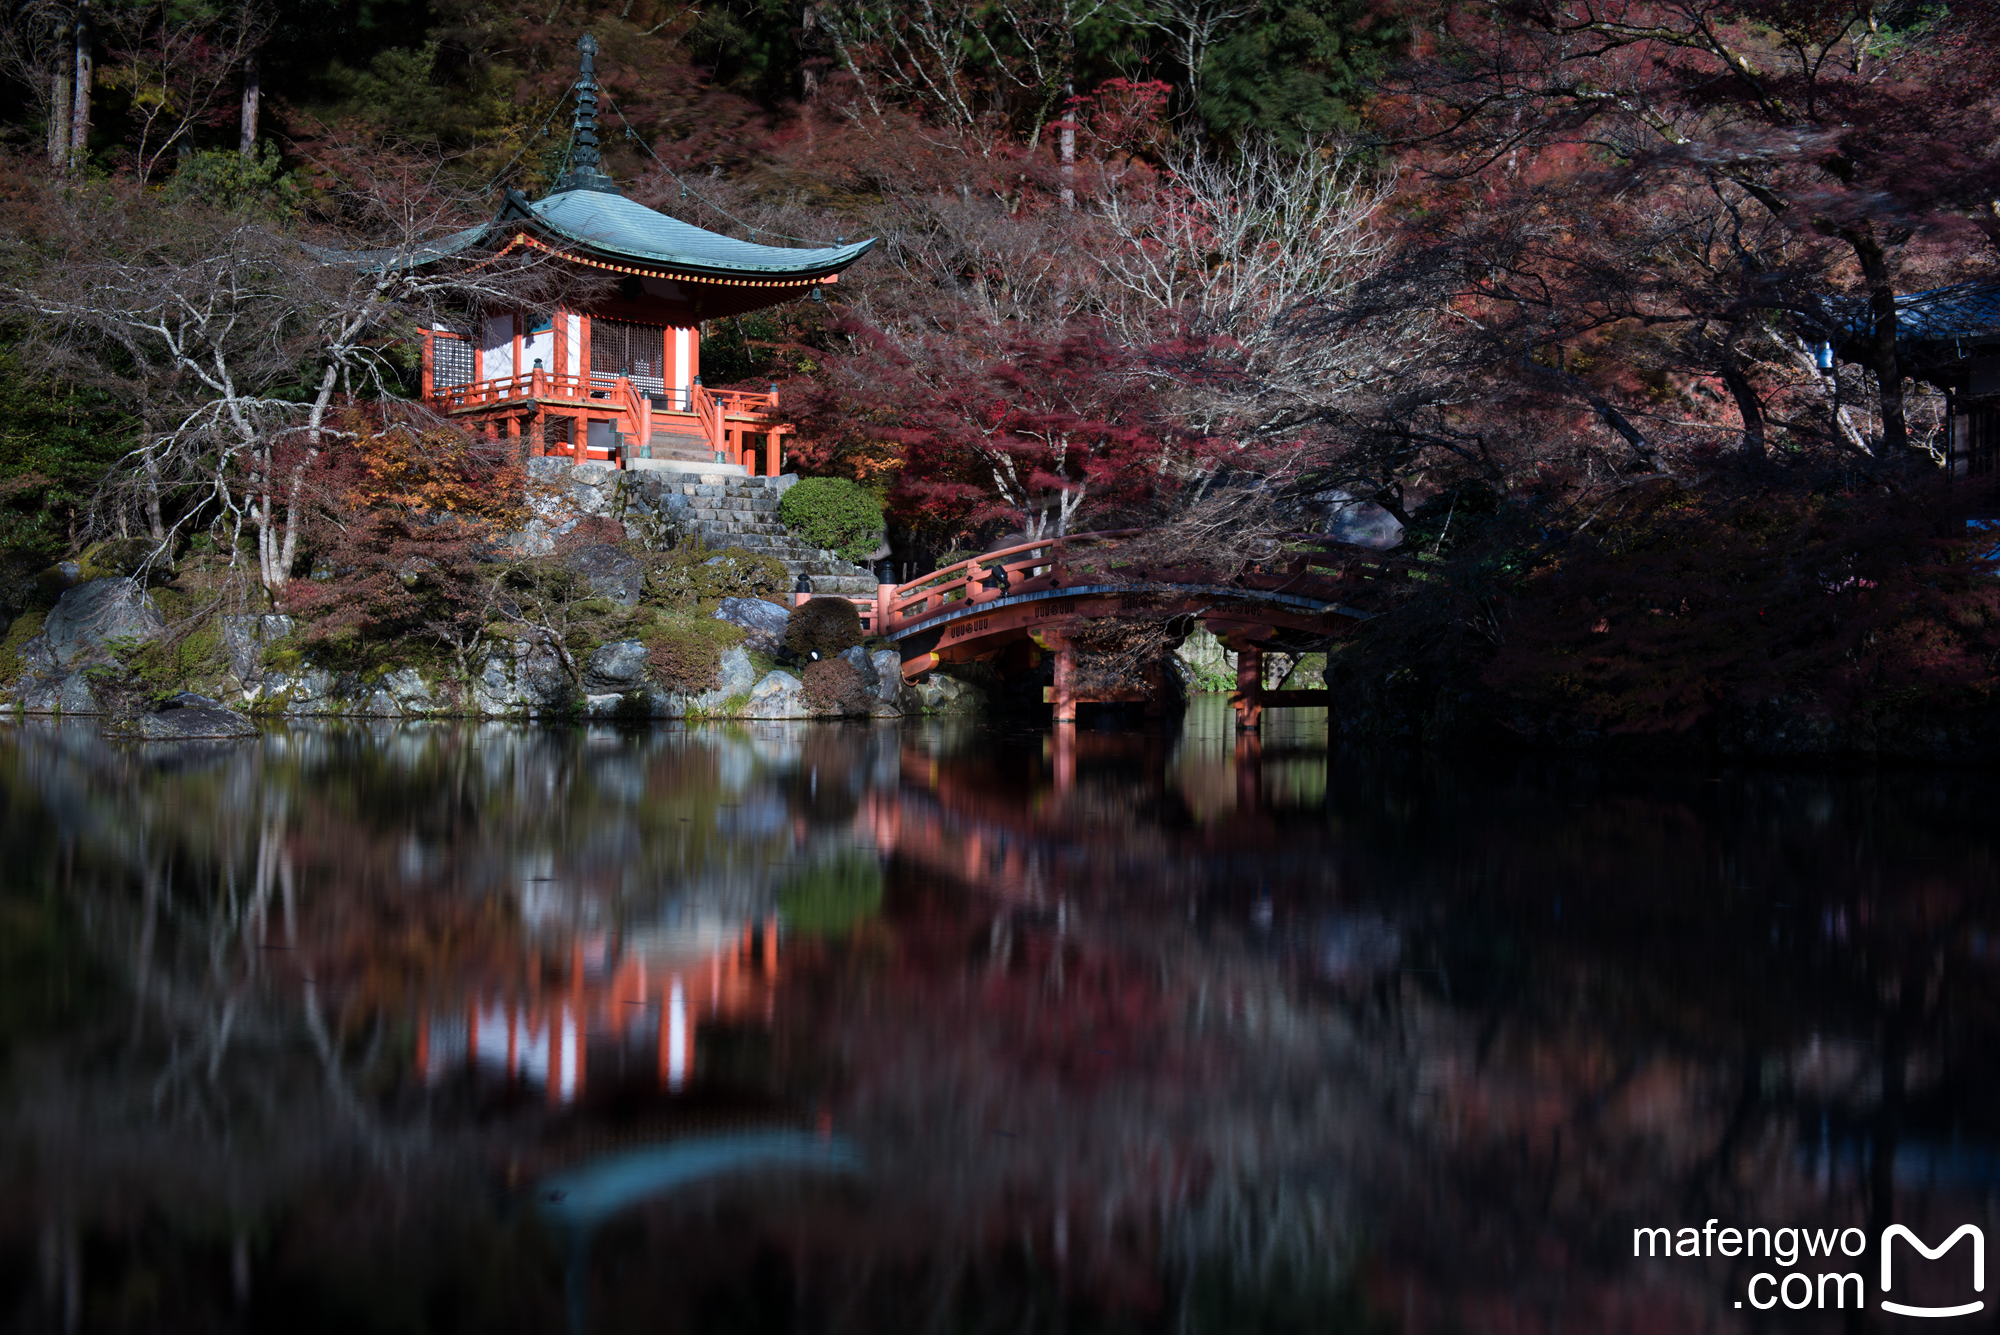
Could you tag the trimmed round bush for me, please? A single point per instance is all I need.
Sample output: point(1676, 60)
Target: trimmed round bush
point(834, 687)
point(826, 626)
point(832, 513)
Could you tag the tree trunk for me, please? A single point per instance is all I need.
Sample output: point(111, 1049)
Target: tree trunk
point(59, 110)
point(79, 121)
point(1748, 406)
point(156, 525)
point(253, 93)
point(1068, 147)
point(1880, 345)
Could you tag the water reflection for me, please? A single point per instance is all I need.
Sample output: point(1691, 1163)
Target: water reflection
point(948, 1027)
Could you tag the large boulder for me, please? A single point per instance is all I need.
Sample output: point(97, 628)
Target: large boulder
point(863, 664)
point(763, 621)
point(735, 678)
point(888, 667)
point(615, 668)
point(609, 572)
point(195, 722)
point(1357, 520)
point(778, 695)
point(941, 694)
point(736, 674)
point(62, 693)
point(309, 690)
point(89, 618)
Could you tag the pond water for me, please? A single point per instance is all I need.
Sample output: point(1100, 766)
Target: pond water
point(967, 1028)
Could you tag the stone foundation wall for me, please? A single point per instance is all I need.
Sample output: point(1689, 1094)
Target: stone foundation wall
point(67, 668)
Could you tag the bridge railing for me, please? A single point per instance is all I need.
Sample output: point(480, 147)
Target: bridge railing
point(1324, 568)
point(1028, 567)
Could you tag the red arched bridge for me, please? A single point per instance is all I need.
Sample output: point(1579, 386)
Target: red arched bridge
point(1010, 607)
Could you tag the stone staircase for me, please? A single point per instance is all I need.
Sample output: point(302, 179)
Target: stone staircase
point(735, 511)
point(681, 441)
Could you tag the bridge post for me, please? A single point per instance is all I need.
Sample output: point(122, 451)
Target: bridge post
point(885, 596)
point(1249, 697)
point(1064, 692)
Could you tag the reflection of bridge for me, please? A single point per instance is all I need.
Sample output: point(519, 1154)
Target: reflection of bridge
point(1010, 607)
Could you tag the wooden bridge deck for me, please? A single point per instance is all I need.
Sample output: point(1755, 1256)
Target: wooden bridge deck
point(1011, 606)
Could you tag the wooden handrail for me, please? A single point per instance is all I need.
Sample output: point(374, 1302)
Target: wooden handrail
point(927, 594)
point(639, 406)
point(1045, 564)
point(709, 415)
point(714, 409)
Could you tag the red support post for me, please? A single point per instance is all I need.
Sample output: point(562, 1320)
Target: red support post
point(1065, 682)
point(1249, 697)
point(885, 605)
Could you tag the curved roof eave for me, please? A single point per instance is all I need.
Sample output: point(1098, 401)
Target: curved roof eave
point(614, 227)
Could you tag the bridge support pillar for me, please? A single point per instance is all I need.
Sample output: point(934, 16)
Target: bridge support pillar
point(885, 602)
point(1249, 697)
point(1064, 692)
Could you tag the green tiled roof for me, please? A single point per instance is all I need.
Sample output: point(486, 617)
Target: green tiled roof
point(613, 225)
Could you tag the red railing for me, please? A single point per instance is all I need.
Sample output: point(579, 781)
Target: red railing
point(727, 417)
point(1049, 564)
point(508, 389)
point(1027, 568)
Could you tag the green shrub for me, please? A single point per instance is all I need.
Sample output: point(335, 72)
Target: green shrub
point(841, 516)
point(179, 662)
point(834, 687)
point(256, 187)
point(833, 897)
point(692, 574)
point(113, 556)
point(826, 626)
point(25, 627)
point(686, 651)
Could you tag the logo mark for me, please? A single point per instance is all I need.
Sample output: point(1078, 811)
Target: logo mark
point(1894, 1231)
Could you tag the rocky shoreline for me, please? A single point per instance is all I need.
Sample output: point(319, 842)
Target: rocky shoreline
point(70, 667)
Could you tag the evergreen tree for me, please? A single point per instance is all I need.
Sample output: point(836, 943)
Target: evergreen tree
point(1293, 71)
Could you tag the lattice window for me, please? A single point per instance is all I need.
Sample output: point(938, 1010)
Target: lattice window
point(1978, 442)
point(452, 361)
point(637, 350)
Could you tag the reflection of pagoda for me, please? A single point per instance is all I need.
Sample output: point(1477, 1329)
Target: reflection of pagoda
point(643, 998)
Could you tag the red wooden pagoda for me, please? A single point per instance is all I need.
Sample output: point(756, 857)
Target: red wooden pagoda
point(619, 381)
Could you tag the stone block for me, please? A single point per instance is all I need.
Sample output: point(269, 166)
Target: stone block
point(764, 622)
point(619, 666)
point(778, 695)
point(888, 665)
point(194, 724)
